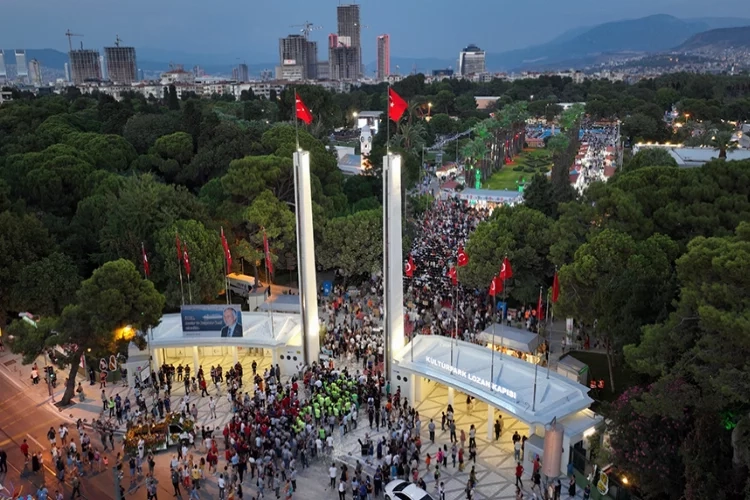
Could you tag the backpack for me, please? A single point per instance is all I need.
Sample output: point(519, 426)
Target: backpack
point(175, 477)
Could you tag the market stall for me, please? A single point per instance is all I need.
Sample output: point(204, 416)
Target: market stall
point(516, 342)
point(157, 436)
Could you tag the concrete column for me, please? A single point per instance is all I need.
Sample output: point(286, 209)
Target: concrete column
point(234, 354)
point(451, 395)
point(565, 455)
point(196, 361)
point(418, 381)
point(308, 286)
point(393, 261)
point(490, 423)
point(157, 359)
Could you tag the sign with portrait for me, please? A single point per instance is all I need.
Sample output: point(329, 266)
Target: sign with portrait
point(212, 321)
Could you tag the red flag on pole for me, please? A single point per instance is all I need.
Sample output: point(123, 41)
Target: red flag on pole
point(409, 270)
point(539, 306)
point(227, 253)
point(396, 105)
point(452, 275)
point(146, 266)
point(186, 259)
point(506, 272)
point(303, 112)
point(179, 247)
point(463, 259)
point(555, 289)
point(496, 286)
point(269, 264)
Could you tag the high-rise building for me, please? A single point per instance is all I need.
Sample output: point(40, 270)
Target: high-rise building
point(84, 66)
point(3, 70)
point(384, 57)
point(243, 74)
point(35, 71)
point(343, 63)
point(471, 61)
point(350, 28)
point(122, 66)
point(103, 68)
point(298, 57)
point(67, 72)
point(22, 68)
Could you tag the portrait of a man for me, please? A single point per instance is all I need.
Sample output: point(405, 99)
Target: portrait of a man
point(232, 324)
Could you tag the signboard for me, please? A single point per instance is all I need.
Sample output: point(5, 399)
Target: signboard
point(327, 287)
point(471, 377)
point(290, 62)
point(212, 321)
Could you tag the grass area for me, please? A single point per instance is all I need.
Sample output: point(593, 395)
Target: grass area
point(524, 166)
point(597, 363)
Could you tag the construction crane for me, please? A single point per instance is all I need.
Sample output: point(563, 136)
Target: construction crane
point(70, 38)
point(307, 27)
point(118, 40)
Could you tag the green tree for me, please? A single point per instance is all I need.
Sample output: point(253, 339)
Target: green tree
point(250, 176)
point(269, 213)
point(46, 286)
point(173, 102)
point(722, 142)
point(353, 245)
point(640, 127)
point(109, 152)
point(442, 124)
point(206, 262)
point(142, 130)
point(650, 157)
point(523, 235)
point(114, 297)
point(538, 196)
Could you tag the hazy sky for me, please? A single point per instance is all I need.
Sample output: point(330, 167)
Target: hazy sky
point(250, 29)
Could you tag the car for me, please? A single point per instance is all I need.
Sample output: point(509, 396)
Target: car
point(403, 490)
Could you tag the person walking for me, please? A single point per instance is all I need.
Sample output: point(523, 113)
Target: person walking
point(498, 429)
point(519, 472)
point(176, 483)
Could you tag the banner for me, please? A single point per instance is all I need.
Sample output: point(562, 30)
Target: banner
point(212, 321)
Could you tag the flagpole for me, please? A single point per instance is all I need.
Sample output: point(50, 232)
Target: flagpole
point(494, 322)
point(179, 269)
point(502, 319)
point(388, 129)
point(144, 259)
point(190, 290)
point(296, 124)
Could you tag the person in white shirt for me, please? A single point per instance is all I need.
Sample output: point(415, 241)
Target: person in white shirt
point(332, 470)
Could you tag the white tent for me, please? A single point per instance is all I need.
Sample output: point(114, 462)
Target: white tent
point(512, 338)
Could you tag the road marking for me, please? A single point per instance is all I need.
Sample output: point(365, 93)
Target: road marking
point(40, 445)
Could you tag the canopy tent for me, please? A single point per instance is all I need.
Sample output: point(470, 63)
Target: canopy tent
point(512, 338)
point(282, 303)
point(509, 386)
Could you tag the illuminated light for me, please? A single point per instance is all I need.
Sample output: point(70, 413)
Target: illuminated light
point(125, 333)
point(589, 432)
point(625, 480)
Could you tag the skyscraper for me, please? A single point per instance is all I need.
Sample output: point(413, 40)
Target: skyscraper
point(242, 73)
point(471, 61)
point(350, 29)
point(384, 57)
point(122, 66)
point(22, 68)
point(3, 70)
point(84, 66)
point(298, 58)
point(35, 70)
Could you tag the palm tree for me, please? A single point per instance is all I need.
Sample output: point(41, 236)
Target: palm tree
point(722, 142)
point(473, 152)
point(410, 136)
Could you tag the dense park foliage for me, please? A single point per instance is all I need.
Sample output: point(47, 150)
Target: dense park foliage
point(653, 264)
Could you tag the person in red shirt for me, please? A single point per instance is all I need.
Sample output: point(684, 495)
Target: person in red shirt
point(519, 472)
point(25, 449)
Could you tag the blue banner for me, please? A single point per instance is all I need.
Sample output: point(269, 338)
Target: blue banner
point(327, 288)
point(212, 321)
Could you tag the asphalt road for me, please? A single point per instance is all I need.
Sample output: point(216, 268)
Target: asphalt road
point(21, 417)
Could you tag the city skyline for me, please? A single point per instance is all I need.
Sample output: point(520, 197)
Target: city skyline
point(417, 29)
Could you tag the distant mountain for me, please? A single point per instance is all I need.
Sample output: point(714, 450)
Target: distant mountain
point(648, 34)
point(718, 39)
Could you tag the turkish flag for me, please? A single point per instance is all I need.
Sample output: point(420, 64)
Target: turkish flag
point(227, 253)
point(452, 275)
point(506, 272)
point(463, 259)
point(555, 289)
point(186, 259)
point(146, 266)
point(179, 247)
point(496, 286)
point(409, 270)
point(303, 112)
point(539, 310)
point(269, 264)
point(396, 105)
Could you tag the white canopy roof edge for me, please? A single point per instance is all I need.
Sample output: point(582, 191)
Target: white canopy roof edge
point(512, 338)
point(512, 388)
point(256, 328)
